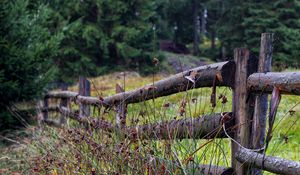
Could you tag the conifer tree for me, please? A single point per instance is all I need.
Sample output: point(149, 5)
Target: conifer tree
point(26, 49)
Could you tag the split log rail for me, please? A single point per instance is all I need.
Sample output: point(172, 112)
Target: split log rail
point(249, 78)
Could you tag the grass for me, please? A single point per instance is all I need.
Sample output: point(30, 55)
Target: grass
point(75, 151)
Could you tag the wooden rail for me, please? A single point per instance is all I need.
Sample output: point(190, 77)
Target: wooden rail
point(203, 127)
point(203, 76)
point(251, 82)
point(268, 163)
point(287, 82)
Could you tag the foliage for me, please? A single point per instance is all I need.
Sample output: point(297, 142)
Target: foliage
point(26, 49)
point(246, 20)
point(101, 34)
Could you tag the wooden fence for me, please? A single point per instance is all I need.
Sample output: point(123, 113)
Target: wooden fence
point(251, 81)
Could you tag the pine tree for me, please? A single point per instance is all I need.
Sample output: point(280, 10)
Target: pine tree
point(26, 49)
point(100, 34)
point(243, 22)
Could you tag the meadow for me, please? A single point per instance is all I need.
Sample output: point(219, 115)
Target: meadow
point(72, 150)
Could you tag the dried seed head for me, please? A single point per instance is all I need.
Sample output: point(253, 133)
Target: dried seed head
point(224, 99)
point(166, 105)
point(155, 61)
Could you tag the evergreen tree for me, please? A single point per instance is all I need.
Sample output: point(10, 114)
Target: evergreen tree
point(100, 34)
point(26, 49)
point(243, 22)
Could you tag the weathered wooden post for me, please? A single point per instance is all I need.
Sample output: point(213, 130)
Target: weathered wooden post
point(39, 113)
point(121, 109)
point(261, 100)
point(63, 103)
point(45, 107)
point(84, 90)
point(242, 104)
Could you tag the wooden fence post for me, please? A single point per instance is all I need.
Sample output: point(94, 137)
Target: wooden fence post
point(63, 103)
point(39, 113)
point(121, 109)
point(242, 104)
point(84, 90)
point(261, 101)
point(45, 106)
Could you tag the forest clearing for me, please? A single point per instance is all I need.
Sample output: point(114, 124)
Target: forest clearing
point(162, 87)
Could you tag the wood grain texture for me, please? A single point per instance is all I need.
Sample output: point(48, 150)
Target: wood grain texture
point(243, 104)
point(261, 100)
point(84, 90)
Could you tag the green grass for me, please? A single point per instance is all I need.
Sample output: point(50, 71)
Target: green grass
point(64, 151)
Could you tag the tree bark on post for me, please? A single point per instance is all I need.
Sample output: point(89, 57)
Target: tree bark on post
point(63, 103)
point(243, 104)
point(261, 101)
point(84, 90)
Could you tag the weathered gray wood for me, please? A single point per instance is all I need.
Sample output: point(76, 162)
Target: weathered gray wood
point(204, 127)
point(50, 109)
point(287, 82)
point(84, 90)
point(271, 164)
point(121, 109)
point(45, 105)
point(191, 168)
point(261, 100)
point(63, 94)
point(209, 170)
point(39, 113)
point(63, 103)
point(53, 123)
point(204, 77)
point(242, 101)
point(88, 121)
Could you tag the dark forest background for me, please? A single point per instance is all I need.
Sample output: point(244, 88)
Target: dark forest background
point(44, 41)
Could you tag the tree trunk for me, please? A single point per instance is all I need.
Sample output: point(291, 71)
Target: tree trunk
point(196, 50)
point(213, 39)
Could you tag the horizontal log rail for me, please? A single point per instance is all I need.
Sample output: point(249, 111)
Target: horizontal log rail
point(268, 163)
point(53, 123)
point(210, 170)
point(93, 122)
point(191, 168)
point(204, 127)
point(50, 109)
point(287, 82)
point(204, 76)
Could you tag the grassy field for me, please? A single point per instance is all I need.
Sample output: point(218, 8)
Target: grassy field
point(75, 151)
